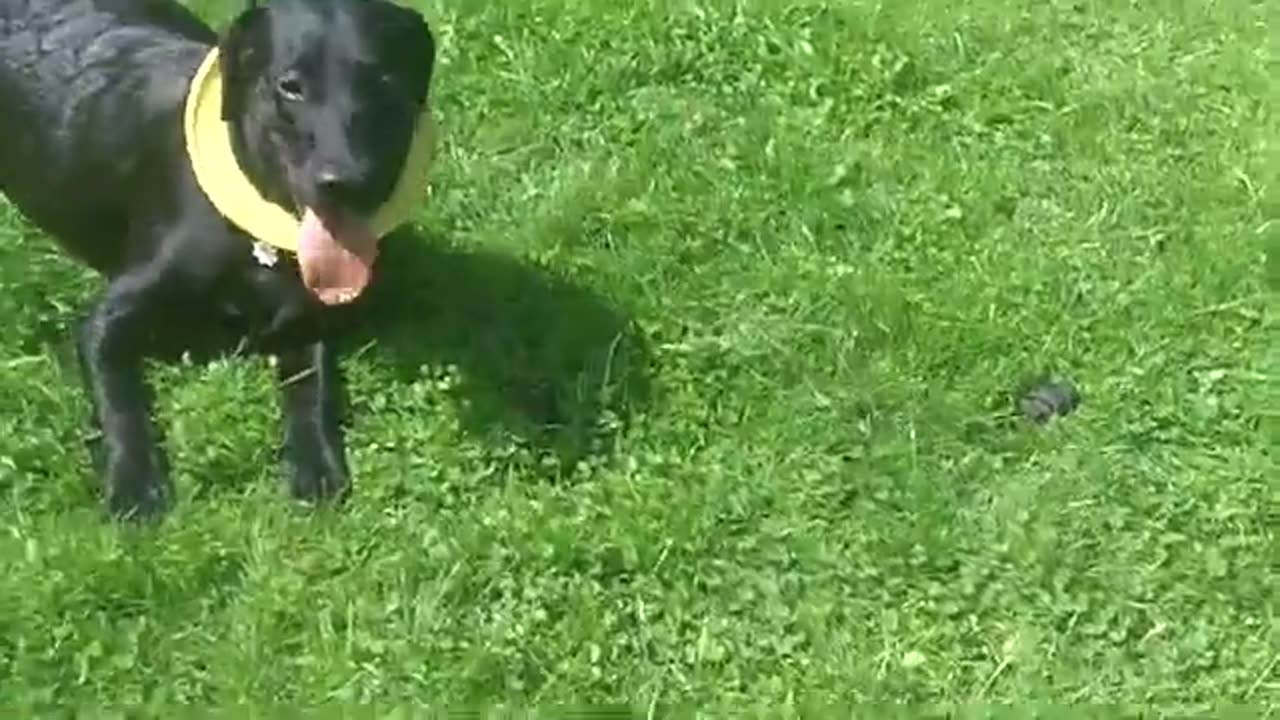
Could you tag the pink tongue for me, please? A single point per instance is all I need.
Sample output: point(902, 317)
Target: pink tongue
point(336, 255)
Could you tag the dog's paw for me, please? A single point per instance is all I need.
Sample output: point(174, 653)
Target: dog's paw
point(137, 496)
point(317, 482)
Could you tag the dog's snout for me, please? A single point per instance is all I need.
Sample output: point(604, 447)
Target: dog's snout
point(337, 186)
point(334, 180)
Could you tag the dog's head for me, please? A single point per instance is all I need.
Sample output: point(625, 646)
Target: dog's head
point(323, 98)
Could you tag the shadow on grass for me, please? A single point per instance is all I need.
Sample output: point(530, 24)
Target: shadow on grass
point(536, 357)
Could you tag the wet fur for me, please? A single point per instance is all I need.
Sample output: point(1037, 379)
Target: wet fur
point(92, 151)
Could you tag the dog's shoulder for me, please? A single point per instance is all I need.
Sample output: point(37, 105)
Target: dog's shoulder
point(168, 15)
point(69, 21)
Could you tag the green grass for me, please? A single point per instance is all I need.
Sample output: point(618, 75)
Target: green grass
point(699, 388)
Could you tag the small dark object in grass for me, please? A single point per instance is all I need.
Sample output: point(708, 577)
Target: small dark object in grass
point(1047, 399)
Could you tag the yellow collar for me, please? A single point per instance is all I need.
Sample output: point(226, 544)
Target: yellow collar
point(225, 184)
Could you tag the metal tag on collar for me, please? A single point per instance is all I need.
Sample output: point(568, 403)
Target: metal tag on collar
point(265, 254)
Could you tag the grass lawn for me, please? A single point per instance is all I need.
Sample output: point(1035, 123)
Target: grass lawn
point(698, 379)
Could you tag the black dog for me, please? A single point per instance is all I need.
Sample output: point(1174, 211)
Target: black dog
point(321, 99)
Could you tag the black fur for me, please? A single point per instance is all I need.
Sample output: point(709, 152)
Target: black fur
point(322, 94)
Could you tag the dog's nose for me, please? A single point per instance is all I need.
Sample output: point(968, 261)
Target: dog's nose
point(333, 180)
point(336, 186)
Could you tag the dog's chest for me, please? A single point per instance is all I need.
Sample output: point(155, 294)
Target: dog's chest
point(267, 303)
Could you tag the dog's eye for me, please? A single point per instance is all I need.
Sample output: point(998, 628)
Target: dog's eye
point(290, 87)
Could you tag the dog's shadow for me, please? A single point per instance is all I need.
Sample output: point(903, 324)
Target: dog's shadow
point(534, 357)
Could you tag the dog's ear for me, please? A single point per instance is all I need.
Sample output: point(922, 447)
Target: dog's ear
point(241, 55)
point(406, 31)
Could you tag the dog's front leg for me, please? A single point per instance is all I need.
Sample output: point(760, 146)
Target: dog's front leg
point(130, 457)
point(311, 391)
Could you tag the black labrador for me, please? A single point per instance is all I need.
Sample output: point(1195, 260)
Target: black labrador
point(320, 99)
